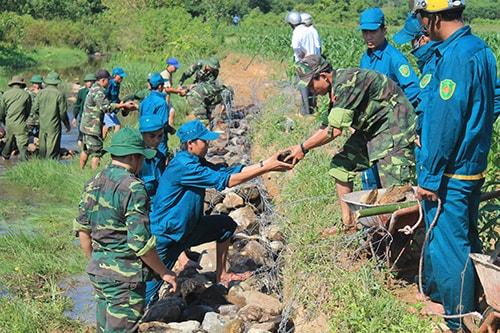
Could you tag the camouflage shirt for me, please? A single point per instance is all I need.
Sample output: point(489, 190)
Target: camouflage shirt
point(15, 107)
point(201, 74)
point(114, 208)
point(370, 102)
point(96, 104)
point(203, 98)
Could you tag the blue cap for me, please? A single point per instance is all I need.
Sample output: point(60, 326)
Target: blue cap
point(410, 31)
point(156, 80)
point(174, 62)
point(194, 129)
point(150, 123)
point(371, 19)
point(118, 71)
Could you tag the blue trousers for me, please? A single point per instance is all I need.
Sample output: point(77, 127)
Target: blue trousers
point(211, 228)
point(454, 236)
point(370, 178)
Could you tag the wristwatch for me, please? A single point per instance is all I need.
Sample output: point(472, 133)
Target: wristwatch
point(304, 150)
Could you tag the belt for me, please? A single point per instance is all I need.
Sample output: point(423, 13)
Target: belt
point(467, 177)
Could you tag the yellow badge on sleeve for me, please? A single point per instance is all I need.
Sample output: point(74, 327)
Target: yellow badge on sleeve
point(404, 70)
point(425, 80)
point(446, 89)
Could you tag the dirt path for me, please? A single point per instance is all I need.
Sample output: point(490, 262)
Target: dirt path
point(253, 85)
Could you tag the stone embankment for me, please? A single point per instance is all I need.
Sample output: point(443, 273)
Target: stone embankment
point(252, 305)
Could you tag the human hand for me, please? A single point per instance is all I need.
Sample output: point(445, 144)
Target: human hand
point(295, 155)
point(171, 278)
point(182, 92)
point(417, 141)
point(130, 106)
point(278, 162)
point(424, 194)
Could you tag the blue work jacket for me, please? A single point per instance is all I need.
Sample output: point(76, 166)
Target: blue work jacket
point(457, 112)
point(389, 61)
point(112, 91)
point(156, 104)
point(178, 206)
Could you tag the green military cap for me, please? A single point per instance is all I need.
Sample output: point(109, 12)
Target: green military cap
point(213, 62)
point(308, 67)
point(128, 141)
point(53, 78)
point(90, 77)
point(37, 78)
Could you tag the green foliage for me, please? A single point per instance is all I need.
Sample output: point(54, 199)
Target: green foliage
point(41, 175)
point(54, 9)
point(489, 210)
point(37, 246)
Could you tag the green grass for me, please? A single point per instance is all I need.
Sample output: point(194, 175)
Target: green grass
point(39, 250)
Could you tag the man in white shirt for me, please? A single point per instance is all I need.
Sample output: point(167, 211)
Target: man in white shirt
point(302, 45)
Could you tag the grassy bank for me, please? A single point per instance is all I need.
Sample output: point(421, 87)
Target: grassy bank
point(39, 202)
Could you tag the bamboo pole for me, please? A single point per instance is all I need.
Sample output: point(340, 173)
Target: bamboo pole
point(386, 209)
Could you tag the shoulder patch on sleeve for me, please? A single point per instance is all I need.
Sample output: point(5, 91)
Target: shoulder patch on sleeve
point(404, 70)
point(446, 89)
point(425, 80)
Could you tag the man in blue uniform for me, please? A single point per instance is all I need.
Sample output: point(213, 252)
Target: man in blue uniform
point(177, 219)
point(388, 60)
point(113, 94)
point(457, 116)
point(156, 104)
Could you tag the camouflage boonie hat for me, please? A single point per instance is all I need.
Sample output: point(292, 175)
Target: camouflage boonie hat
point(308, 67)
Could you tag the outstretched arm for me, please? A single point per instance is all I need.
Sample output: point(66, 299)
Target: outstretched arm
point(322, 136)
point(249, 172)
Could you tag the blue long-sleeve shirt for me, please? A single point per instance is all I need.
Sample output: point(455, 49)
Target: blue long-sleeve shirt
point(112, 91)
point(156, 104)
point(389, 61)
point(150, 174)
point(178, 206)
point(457, 119)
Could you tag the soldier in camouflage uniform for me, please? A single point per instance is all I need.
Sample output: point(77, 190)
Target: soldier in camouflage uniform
point(50, 107)
point(205, 70)
point(33, 123)
point(89, 80)
point(204, 97)
point(382, 117)
point(15, 107)
point(113, 227)
point(91, 125)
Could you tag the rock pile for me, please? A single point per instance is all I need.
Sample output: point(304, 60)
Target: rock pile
point(201, 305)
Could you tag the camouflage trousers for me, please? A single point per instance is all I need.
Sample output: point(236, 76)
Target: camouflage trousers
point(201, 108)
point(395, 168)
point(92, 145)
point(120, 305)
